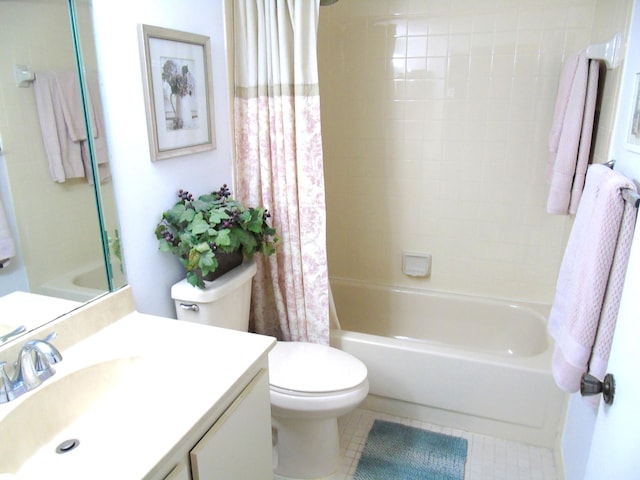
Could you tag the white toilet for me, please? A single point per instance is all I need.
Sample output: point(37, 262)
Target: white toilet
point(311, 385)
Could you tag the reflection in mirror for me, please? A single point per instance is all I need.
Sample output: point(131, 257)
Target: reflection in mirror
point(51, 215)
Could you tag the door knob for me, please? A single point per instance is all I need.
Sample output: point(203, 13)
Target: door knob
point(590, 385)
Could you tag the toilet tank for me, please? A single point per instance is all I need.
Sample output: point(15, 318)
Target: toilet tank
point(223, 303)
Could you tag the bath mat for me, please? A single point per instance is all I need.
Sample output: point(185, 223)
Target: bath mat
point(395, 451)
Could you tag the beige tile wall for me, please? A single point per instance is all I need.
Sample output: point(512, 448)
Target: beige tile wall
point(435, 121)
point(57, 223)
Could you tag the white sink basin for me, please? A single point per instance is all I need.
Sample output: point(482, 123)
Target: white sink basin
point(128, 394)
point(55, 411)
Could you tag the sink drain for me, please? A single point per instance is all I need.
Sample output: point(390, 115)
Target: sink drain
point(67, 445)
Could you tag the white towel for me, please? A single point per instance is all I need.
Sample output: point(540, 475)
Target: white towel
point(61, 116)
point(7, 246)
point(64, 155)
point(571, 132)
point(589, 286)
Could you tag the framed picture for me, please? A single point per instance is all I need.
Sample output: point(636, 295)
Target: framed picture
point(633, 135)
point(178, 91)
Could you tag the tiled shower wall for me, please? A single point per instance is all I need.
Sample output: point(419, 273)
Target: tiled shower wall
point(435, 122)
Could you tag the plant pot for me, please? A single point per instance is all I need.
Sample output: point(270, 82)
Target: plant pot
point(226, 263)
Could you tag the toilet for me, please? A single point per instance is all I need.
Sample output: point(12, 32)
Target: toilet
point(310, 385)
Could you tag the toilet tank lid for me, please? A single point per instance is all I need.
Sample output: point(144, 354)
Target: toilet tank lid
point(313, 368)
point(216, 289)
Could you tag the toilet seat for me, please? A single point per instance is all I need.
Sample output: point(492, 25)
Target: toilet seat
point(308, 369)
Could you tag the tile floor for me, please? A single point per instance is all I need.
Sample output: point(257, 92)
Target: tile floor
point(488, 458)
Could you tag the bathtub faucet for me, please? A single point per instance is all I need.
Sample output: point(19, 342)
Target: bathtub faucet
point(31, 369)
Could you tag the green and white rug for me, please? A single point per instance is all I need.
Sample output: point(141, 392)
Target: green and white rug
point(395, 451)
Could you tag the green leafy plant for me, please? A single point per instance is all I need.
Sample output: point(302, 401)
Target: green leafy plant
point(199, 231)
point(114, 247)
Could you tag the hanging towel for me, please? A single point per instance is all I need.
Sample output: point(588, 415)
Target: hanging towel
point(63, 154)
point(571, 132)
point(61, 116)
point(591, 276)
point(97, 125)
point(7, 246)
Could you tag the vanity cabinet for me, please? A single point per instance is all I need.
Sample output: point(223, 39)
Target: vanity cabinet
point(238, 445)
point(177, 400)
point(234, 445)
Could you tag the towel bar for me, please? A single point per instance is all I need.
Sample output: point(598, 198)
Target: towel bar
point(628, 195)
point(609, 51)
point(631, 197)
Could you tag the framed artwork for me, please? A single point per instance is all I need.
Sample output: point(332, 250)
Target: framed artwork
point(633, 134)
point(178, 91)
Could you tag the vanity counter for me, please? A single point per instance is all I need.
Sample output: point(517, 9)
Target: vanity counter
point(138, 393)
point(31, 310)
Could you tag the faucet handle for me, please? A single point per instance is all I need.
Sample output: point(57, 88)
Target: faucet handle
point(7, 389)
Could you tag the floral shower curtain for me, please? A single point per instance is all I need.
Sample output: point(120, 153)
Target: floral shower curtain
point(279, 162)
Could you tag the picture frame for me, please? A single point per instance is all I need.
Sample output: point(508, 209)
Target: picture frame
point(633, 131)
point(178, 91)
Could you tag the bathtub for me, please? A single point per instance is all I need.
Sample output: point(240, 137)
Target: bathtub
point(82, 284)
point(464, 362)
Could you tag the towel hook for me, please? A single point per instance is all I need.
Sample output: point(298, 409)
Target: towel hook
point(24, 76)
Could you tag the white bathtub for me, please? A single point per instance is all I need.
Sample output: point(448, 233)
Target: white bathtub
point(82, 284)
point(464, 362)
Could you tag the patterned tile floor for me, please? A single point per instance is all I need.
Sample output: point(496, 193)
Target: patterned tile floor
point(488, 458)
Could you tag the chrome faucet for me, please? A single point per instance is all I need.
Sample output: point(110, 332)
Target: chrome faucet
point(31, 369)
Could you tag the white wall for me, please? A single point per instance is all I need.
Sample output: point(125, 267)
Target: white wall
point(145, 189)
point(581, 419)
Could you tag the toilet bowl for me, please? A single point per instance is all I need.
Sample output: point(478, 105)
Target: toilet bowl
point(311, 386)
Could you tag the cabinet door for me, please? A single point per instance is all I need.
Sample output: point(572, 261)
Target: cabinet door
point(238, 445)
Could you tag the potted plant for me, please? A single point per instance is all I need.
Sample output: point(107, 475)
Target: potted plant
point(204, 233)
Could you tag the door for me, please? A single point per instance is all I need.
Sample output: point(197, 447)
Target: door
point(615, 448)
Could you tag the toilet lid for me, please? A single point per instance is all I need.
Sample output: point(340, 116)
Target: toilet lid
point(313, 368)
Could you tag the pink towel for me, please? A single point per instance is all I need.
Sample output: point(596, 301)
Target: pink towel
point(584, 311)
point(571, 132)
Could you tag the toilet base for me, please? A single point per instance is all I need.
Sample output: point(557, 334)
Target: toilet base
point(306, 449)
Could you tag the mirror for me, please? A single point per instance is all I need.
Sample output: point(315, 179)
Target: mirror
point(61, 226)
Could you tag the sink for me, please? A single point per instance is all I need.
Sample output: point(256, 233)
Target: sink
point(56, 411)
point(129, 393)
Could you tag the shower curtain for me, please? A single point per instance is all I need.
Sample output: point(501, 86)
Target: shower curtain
point(279, 162)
